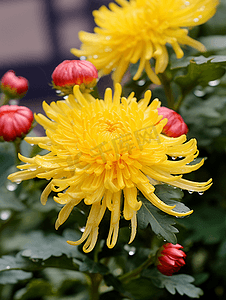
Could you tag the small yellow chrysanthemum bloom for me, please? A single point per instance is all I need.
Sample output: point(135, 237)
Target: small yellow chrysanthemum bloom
point(104, 152)
point(140, 30)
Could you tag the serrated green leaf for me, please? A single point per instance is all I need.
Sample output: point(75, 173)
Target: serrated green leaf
point(13, 276)
point(200, 60)
point(171, 196)
point(175, 283)
point(43, 247)
point(18, 262)
point(161, 224)
point(200, 72)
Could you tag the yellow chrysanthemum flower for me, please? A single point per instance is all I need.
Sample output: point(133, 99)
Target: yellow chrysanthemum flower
point(140, 30)
point(100, 150)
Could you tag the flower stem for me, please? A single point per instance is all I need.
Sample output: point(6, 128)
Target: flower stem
point(136, 272)
point(4, 99)
point(95, 279)
point(166, 82)
point(17, 149)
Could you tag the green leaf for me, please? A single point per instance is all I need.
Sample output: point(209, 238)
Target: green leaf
point(200, 71)
point(13, 276)
point(36, 288)
point(175, 283)
point(141, 289)
point(200, 60)
point(88, 265)
point(18, 262)
point(161, 224)
point(43, 247)
point(111, 280)
point(8, 199)
point(171, 196)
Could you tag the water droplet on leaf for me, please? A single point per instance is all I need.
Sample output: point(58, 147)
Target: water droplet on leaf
point(214, 82)
point(5, 215)
point(199, 91)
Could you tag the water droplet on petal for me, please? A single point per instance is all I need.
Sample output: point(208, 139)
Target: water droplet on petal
point(214, 82)
point(32, 169)
point(190, 192)
point(11, 186)
point(95, 56)
point(34, 144)
point(82, 229)
point(108, 37)
point(196, 20)
point(200, 193)
point(173, 158)
point(18, 181)
point(107, 49)
point(7, 267)
point(202, 8)
point(186, 3)
point(82, 57)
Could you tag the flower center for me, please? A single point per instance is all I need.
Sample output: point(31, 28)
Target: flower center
point(110, 129)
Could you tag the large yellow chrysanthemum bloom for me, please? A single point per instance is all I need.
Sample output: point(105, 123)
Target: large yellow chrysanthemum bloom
point(140, 30)
point(102, 150)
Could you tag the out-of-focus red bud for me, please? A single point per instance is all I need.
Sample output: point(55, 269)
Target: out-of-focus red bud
point(73, 72)
point(170, 259)
point(14, 121)
point(15, 87)
point(175, 126)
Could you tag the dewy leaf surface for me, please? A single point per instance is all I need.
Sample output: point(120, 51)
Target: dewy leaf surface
point(200, 71)
point(162, 224)
point(176, 283)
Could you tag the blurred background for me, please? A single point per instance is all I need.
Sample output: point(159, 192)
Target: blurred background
point(37, 35)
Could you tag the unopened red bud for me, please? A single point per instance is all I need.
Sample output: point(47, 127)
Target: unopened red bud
point(170, 259)
point(14, 121)
point(15, 87)
point(175, 126)
point(73, 72)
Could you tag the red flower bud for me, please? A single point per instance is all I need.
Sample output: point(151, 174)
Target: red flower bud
point(15, 87)
point(14, 121)
point(175, 126)
point(72, 72)
point(170, 259)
